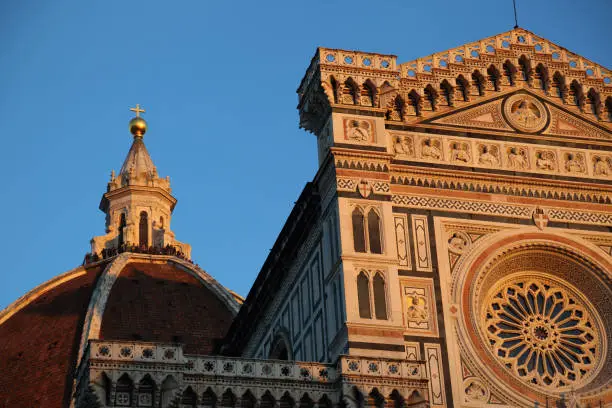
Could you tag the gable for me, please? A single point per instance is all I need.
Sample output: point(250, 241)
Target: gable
point(523, 111)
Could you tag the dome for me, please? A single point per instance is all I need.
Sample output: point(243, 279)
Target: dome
point(138, 298)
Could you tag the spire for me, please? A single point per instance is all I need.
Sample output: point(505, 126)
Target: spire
point(138, 203)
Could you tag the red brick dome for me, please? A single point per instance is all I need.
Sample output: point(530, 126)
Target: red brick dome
point(139, 298)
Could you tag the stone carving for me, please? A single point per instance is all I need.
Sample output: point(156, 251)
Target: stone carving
point(602, 166)
point(365, 188)
point(517, 158)
point(525, 113)
point(475, 391)
point(460, 151)
point(545, 160)
point(431, 148)
point(540, 218)
point(403, 145)
point(458, 242)
point(574, 163)
point(358, 130)
point(417, 310)
point(489, 155)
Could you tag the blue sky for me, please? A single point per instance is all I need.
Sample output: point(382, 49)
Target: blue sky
point(218, 81)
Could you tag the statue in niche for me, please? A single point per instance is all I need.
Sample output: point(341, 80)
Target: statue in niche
point(358, 130)
point(460, 152)
point(526, 113)
point(574, 164)
point(517, 158)
point(545, 161)
point(601, 167)
point(430, 149)
point(487, 157)
point(417, 311)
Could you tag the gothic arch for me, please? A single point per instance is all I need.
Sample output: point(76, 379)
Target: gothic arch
point(463, 87)
point(494, 77)
point(479, 82)
point(280, 348)
point(509, 73)
point(447, 92)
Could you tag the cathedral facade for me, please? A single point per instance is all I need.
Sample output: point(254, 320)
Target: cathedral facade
point(454, 249)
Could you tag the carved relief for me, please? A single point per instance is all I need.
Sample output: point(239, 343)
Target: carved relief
point(460, 152)
point(575, 162)
point(403, 145)
point(419, 307)
point(602, 165)
point(458, 242)
point(359, 130)
point(525, 113)
point(488, 155)
point(517, 158)
point(431, 148)
point(475, 391)
point(545, 160)
point(365, 188)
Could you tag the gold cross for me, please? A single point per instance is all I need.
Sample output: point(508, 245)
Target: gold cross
point(137, 110)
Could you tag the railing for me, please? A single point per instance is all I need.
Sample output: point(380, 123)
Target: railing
point(121, 351)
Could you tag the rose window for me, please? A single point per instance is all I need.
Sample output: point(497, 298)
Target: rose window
point(542, 332)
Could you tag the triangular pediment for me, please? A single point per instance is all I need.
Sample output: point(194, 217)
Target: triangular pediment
point(522, 111)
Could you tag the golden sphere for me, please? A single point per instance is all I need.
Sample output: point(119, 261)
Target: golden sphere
point(138, 127)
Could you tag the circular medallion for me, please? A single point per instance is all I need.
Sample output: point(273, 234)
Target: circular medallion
point(525, 113)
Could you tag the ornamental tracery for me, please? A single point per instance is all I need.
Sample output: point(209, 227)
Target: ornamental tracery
point(542, 331)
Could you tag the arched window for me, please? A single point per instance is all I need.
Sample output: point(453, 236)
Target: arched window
point(123, 391)
point(189, 398)
point(267, 401)
point(358, 231)
point(286, 401)
point(228, 399)
point(432, 97)
point(107, 384)
point(368, 93)
point(494, 77)
point(525, 66)
point(479, 82)
point(415, 102)
point(396, 109)
point(509, 72)
point(609, 107)
point(122, 223)
point(463, 86)
point(376, 399)
point(209, 399)
point(380, 301)
point(248, 400)
point(306, 402)
point(280, 347)
point(558, 84)
point(349, 92)
point(594, 102)
point(161, 222)
point(374, 232)
point(146, 391)
point(577, 94)
point(447, 92)
point(397, 399)
point(541, 78)
point(143, 229)
point(363, 296)
point(334, 85)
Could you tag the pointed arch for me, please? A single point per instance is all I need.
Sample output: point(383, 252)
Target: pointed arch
point(447, 92)
point(143, 230)
point(228, 399)
point(525, 69)
point(189, 398)
point(358, 230)
point(479, 82)
point(577, 94)
point(431, 96)
point(281, 346)
point(376, 399)
point(350, 90)
point(494, 77)
point(374, 231)
point(380, 296)
point(123, 391)
point(463, 87)
point(286, 401)
point(397, 399)
point(415, 102)
point(609, 108)
point(334, 88)
point(306, 401)
point(415, 397)
point(559, 86)
point(396, 109)
point(541, 78)
point(368, 93)
point(248, 400)
point(122, 224)
point(593, 100)
point(325, 402)
point(169, 389)
point(510, 73)
point(146, 391)
point(209, 399)
point(267, 400)
point(107, 384)
point(363, 295)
